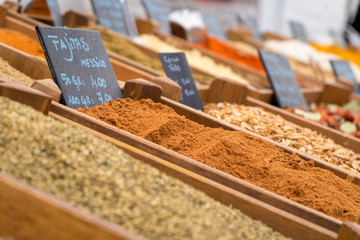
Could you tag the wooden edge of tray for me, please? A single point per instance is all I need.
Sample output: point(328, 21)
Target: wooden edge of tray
point(32, 66)
point(28, 213)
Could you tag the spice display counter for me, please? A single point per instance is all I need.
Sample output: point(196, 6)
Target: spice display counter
point(293, 192)
point(209, 172)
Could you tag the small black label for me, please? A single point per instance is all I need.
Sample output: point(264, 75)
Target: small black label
point(342, 69)
point(115, 15)
point(55, 12)
point(298, 31)
point(252, 24)
point(213, 25)
point(79, 65)
point(283, 80)
point(177, 68)
point(158, 12)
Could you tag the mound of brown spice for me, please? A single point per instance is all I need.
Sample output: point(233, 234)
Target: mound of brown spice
point(236, 153)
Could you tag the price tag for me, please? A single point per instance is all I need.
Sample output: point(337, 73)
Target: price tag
point(298, 31)
point(283, 81)
point(342, 69)
point(79, 65)
point(115, 15)
point(177, 68)
point(55, 12)
point(338, 38)
point(158, 12)
point(252, 24)
point(213, 25)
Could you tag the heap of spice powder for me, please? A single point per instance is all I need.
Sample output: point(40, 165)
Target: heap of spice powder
point(273, 126)
point(239, 154)
point(8, 72)
point(97, 177)
point(21, 42)
point(119, 45)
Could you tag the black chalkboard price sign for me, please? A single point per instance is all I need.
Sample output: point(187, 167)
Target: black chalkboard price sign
point(283, 81)
point(214, 26)
point(252, 24)
point(298, 31)
point(342, 69)
point(177, 68)
point(158, 12)
point(79, 65)
point(113, 14)
point(55, 12)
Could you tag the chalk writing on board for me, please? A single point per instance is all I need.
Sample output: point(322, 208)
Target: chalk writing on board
point(80, 66)
point(177, 68)
point(283, 80)
point(342, 69)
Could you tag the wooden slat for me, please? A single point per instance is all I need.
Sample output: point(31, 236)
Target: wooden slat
point(27, 213)
point(349, 231)
point(279, 220)
point(31, 66)
point(26, 95)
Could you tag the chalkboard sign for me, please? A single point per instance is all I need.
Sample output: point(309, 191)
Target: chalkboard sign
point(79, 65)
point(283, 81)
point(338, 38)
point(158, 12)
point(177, 68)
point(55, 12)
point(252, 24)
point(215, 28)
point(342, 69)
point(114, 14)
point(298, 31)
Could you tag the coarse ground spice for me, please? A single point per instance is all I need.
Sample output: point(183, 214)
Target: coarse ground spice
point(10, 73)
point(273, 126)
point(243, 156)
point(97, 177)
point(119, 45)
point(21, 42)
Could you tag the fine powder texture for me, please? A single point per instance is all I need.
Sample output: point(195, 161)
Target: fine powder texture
point(236, 153)
point(10, 73)
point(21, 42)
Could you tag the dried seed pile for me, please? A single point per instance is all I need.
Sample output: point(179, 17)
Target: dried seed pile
point(10, 73)
point(98, 177)
point(278, 129)
point(249, 158)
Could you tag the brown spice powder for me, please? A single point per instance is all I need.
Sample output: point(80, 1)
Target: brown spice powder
point(236, 153)
point(21, 42)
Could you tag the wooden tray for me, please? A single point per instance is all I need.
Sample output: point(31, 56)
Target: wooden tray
point(211, 173)
point(279, 220)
